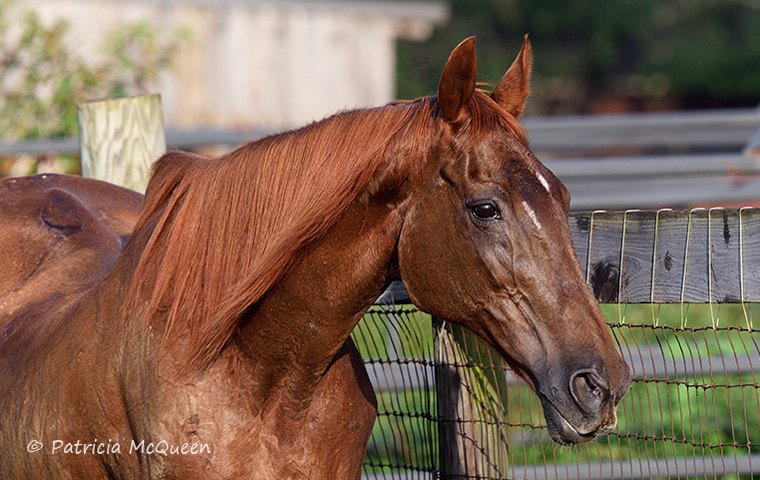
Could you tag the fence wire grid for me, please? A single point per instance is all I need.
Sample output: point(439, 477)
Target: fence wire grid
point(693, 410)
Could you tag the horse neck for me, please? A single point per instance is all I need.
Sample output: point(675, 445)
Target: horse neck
point(295, 299)
point(305, 320)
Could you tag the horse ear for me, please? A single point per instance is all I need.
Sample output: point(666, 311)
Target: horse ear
point(514, 87)
point(458, 81)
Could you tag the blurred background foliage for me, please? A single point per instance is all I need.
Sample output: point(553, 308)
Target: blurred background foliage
point(41, 80)
point(592, 57)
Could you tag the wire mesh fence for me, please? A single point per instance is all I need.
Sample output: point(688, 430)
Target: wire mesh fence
point(692, 412)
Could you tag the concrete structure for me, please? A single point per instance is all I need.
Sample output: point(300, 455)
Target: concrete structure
point(261, 63)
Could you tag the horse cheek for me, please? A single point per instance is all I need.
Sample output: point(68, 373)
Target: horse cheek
point(436, 260)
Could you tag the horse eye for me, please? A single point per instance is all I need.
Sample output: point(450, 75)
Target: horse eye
point(485, 211)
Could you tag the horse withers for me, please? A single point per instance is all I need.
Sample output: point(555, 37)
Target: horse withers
point(215, 343)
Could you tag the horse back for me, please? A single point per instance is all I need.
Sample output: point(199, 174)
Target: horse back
point(59, 236)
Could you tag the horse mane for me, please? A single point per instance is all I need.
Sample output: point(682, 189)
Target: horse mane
point(216, 234)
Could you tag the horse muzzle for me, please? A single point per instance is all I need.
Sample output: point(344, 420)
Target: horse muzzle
point(584, 407)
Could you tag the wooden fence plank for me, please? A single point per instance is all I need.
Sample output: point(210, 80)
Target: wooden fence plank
point(120, 139)
point(670, 256)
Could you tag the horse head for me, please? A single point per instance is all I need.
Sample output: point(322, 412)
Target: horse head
point(487, 245)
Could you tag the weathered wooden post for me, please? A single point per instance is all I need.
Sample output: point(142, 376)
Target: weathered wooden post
point(471, 400)
point(120, 138)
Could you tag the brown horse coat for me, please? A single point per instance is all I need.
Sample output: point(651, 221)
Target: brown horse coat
point(60, 236)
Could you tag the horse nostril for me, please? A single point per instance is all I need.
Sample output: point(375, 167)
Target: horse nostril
point(589, 390)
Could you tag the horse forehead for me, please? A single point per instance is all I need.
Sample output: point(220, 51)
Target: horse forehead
point(545, 177)
point(511, 163)
point(526, 174)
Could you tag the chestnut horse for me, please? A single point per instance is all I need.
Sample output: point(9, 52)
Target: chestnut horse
point(216, 344)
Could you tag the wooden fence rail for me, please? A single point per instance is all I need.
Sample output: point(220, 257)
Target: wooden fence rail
point(576, 136)
point(671, 256)
point(641, 160)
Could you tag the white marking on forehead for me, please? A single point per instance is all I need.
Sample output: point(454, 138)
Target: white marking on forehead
point(536, 170)
point(531, 214)
point(543, 181)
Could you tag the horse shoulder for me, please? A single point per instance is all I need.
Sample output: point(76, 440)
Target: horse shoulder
point(222, 414)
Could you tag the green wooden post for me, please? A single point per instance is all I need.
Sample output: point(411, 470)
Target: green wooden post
point(120, 138)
